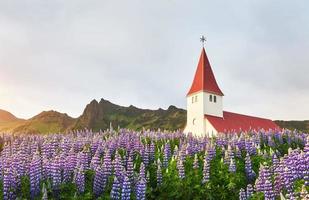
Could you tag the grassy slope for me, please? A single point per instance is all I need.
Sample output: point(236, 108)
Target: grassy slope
point(98, 115)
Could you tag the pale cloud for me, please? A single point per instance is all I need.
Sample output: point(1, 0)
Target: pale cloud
point(62, 54)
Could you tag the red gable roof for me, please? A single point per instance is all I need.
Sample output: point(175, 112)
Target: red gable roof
point(204, 79)
point(236, 122)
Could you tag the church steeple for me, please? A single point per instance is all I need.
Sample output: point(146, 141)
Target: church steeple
point(204, 79)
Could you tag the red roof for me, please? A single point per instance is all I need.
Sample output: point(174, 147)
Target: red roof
point(204, 79)
point(236, 122)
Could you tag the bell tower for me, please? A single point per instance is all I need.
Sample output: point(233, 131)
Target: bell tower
point(204, 97)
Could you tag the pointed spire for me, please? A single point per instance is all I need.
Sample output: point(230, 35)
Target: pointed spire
point(204, 79)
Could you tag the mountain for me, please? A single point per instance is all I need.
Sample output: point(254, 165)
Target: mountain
point(299, 125)
point(98, 115)
point(46, 122)
point(6, 116)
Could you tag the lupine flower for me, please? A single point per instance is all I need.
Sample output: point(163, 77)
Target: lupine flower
point(79, 179)
point(142, 170)
point(35, 175)
point(249, 191)
point(9, 183)
point(115, 192)
point(181, 169)
point(146, 155)
point(107, 165)
point(141, 189)
point(126, 189)
point(242, 194)
point(95, 161)
point(248, 168)
point(206, 169)
point(166, 154)
point(232, 166)
point(55, 173)
point(152, 151)
point(268, 190)
point(117, 164)
point(99, 181)
point(130, 169)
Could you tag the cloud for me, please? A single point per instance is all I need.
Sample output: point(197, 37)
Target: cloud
point(61, 54)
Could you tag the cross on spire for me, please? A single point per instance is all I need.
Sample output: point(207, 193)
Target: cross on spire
point(203, 39)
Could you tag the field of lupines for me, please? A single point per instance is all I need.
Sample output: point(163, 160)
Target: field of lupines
point(154, 165)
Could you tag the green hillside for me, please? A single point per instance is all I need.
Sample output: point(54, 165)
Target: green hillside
point(98, 115)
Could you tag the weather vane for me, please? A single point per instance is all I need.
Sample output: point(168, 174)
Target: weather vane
point(203, 40)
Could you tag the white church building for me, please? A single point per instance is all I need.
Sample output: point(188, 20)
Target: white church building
point(205, 114)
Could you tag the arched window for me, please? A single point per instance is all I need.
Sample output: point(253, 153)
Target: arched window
point(193, 122)
point(195, 98)
point(192, 99)
point(210, 98)
point(215, 98)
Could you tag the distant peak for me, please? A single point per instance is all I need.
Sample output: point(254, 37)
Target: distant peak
point(94, 101)
point(171, 107)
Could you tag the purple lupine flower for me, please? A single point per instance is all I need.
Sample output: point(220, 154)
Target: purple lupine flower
point(115, 192)
point(232, 166)
point(83, 158)
point(126, 189)
point(9, 183)
point(166, 154)
point(99, 181)
point(237, 152)
point(35, 172)
point(95, 161)
point(259, 182)
point(130, 169)
point(268, 190)
point(249, 191)
point(279, 178)
point(195, 162)
point(79, 179)
point(206, 169)
point(117, 164)
point(181, 169)
point(146, 155)
point(242, 194)
point(248, 168)
point(142, 170)
point(107, 164)
point(275, 162)
point(264, 184)
point(141, 189)
point(152, 151)
point(55, 173)
point(287, 177)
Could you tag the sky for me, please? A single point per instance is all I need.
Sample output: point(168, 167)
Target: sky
point(59, 55)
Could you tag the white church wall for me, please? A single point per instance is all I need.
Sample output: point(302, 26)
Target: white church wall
point(195, 114)
point(210, 130)
point(211, 107)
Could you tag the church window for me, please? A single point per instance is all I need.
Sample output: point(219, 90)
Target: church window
point(215, 99)
point(210, 98)
point(195, 98)
point(192, 99)
point(193, 121)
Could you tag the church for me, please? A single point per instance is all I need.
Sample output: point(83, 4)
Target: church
point(205, 114)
